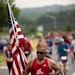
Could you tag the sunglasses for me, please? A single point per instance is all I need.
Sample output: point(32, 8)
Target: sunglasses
point(40, 52)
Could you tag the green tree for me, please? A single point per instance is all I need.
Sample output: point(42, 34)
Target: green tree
point(31, 30)
point(3, 13)
point(68, 27)
point(3, 16)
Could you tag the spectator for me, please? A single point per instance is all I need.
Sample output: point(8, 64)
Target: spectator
point(50, 47)
point(8, 56)
point(27, 49)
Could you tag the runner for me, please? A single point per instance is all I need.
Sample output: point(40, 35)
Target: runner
point(42, 65)
point(8, 56)
point(27, 49)
point(63, 54)
point(72, 47)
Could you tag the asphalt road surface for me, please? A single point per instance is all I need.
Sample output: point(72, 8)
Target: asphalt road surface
point(71, 67)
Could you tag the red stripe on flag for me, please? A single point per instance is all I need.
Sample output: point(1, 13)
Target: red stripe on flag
point(15, 52)
point(12, 70)
point(17, 26)
point(21, 40)
point(19, 33)
point(11, 34)
point(17, 65)
point(14, 42)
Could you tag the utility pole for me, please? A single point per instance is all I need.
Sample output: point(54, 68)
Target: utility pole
point(55, 25)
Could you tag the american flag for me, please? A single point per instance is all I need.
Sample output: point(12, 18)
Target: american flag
point(17, 39)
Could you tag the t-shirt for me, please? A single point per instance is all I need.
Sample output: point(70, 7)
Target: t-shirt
point(27, 46)
point(61, 48)
point(66, 40)
point(50, 43)
point(9, 55)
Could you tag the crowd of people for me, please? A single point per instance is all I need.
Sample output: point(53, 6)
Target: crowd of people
point(43, 64)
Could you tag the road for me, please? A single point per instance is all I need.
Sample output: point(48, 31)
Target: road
point(71, 67)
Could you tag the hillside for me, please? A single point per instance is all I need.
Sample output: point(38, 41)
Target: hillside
point(32, 13)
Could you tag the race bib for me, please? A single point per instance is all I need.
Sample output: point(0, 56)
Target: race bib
point(26, 52)
point(64, 58)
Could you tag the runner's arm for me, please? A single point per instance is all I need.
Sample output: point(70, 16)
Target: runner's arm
point(28, 68)
point(54, 67)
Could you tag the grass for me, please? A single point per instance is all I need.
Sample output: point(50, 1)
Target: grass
point(4, 33)
point(1, 58)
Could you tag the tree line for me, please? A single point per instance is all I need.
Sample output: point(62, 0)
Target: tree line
point(63, 20)
point(3, 14)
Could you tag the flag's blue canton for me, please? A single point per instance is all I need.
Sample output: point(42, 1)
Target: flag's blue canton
point(9, 18)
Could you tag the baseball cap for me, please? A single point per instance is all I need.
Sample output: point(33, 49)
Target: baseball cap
point(61, 39)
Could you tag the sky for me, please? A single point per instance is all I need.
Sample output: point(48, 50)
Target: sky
point(41, 3)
